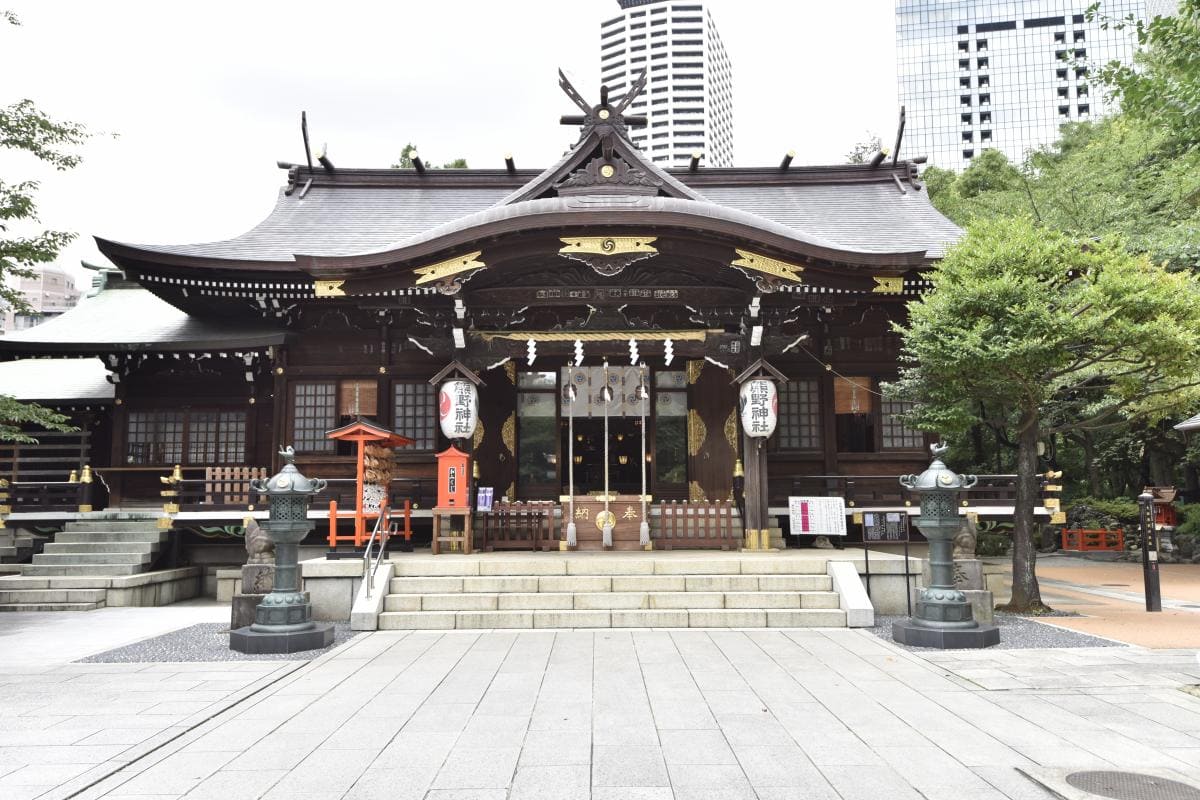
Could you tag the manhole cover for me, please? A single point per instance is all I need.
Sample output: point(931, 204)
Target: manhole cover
point(1132, 786)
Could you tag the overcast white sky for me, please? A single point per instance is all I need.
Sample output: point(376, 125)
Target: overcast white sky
point(204, 98)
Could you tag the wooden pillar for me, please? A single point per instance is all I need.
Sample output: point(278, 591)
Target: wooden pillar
point(754, 459)
point(279, 423)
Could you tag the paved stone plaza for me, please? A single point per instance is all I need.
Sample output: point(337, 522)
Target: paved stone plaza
point(765, 714)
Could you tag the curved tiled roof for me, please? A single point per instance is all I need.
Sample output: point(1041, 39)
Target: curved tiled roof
point(341, 220)
point(127, 317)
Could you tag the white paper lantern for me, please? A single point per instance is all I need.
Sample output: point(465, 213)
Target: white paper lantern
point(458, 407)
point(758, 402)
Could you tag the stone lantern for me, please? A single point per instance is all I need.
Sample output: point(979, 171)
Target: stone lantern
point(944, 618)
point(283, 620)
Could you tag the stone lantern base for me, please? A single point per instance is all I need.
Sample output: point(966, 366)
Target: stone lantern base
point(246, 640)
point(908, 633)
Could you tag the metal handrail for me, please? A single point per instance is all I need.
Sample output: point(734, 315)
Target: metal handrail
point(378, 531)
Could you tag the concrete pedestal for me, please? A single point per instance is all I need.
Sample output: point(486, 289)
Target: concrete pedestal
point(945, 638)
point(245, 640)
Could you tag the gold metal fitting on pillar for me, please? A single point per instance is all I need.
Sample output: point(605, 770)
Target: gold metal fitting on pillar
point(73, 477)
point(86, 475)
point(738, 470)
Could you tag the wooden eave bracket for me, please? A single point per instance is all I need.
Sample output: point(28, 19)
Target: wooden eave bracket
point(457, 366)
point(761, 365)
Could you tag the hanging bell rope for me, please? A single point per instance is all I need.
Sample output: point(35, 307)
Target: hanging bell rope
point(643, 397)
point(572, 532)
point(608, 518)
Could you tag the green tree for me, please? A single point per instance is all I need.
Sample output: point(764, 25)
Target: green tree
point(864, 150)
point(410, 150)
point(1045, 335)
point(1162, 86)
point(24, 127)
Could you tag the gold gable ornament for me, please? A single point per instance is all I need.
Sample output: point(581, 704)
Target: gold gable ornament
point(773, 268)
point(329, 289)
point(444, 272)
point(887, 284)
point(608, 255)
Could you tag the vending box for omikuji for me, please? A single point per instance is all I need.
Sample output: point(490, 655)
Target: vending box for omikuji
point(454, 472)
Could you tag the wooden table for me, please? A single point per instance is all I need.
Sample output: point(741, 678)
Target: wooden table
point(463, 538)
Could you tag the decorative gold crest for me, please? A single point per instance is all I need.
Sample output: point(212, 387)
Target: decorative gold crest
point(609, 245)
point(886, 284)
point(329, 288)
point(453, 266)
point(767, 266)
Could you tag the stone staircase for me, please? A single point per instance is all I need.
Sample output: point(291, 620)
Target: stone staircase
point(17, 546)
point(575, 590)
point(85, 562)
point(100, 548)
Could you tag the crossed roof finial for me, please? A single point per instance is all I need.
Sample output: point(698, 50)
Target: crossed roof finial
point(603, 115)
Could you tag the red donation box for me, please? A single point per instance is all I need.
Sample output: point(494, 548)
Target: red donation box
point(454, 484)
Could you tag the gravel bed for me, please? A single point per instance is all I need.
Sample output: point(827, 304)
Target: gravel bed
point(1016, 633)
point(207, 641)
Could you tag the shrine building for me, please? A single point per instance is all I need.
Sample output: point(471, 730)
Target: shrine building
point(654, 293)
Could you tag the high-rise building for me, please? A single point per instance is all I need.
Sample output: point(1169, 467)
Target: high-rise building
point(689, 92)
point(48, 292)
point(1004, 74)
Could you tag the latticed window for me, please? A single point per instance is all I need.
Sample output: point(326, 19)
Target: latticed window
point(154, 437)
point(190, 436)
point(216, 437)
point(897, 435)
point(415, 412)
point(799, 426)
point(314, 411)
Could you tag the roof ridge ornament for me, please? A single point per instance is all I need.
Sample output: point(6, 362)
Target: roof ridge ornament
point(607, 119)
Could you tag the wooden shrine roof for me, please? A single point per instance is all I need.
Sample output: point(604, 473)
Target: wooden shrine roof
point(124, 317)
point(849, 208)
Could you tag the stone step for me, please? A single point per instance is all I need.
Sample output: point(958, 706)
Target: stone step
point(57, 596)
point(81, 570)
point(647, 564)
point(640, 618)
point(23, 582)
point(112, 525)
point(606, 601)
point(135, 559)
point(615, 583)
point(54, 548)
point(50, 606)
point(78, 537)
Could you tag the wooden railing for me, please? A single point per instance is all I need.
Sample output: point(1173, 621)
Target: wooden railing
point(222, 494)
point(696, 525)
point(34, 496)
point(882, 490)
point(518, 526)
point(1088, 540)
point(54, 455)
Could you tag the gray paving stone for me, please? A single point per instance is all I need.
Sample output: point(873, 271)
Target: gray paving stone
point(696, 747)
point(472, 767)
point(632, 793)
point(533, 782)
point(238, 785)
point(628, 766)
point(783, 766)
point(725, 777)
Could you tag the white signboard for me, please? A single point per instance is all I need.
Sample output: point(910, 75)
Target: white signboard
point(817, 516)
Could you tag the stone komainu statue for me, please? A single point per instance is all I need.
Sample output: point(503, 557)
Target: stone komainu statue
point(259, 547)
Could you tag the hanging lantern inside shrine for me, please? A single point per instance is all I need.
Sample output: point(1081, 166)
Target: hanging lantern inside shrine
point(758, 402)
point(458, 407)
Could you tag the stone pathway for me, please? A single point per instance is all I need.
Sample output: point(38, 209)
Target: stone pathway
point(677, 714)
